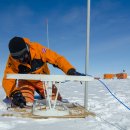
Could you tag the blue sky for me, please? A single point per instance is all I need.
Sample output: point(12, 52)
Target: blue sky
point(110, 30)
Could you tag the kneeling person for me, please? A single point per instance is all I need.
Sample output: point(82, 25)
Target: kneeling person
point(28, 57)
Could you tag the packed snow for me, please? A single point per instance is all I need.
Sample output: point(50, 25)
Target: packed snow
point(110, 114)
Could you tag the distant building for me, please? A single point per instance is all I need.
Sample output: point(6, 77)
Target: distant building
point(118, 76)
point(121, 75)
point(109, 76)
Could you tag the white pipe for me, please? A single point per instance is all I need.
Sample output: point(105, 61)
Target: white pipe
point(56, 98)
point(50, 78)
point(48, 95)
point(87, 54)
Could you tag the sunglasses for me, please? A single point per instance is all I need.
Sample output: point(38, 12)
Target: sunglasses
point(22, 57)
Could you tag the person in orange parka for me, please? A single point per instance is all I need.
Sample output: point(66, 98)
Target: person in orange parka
point(30, 57)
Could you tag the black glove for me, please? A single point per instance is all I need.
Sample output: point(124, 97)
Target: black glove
point(18, 99)
point(72, 71)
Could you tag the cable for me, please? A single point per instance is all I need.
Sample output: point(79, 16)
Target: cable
point(98, 115)
point(113, 94)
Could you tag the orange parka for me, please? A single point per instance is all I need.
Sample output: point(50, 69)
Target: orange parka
point(40, 56)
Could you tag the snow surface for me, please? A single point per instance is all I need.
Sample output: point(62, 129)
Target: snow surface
point(110, 114)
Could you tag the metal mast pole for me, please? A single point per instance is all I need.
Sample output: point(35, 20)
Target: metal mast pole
point(47, 34)
point(87, 54)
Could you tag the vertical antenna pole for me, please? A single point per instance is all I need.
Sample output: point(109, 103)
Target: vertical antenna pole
point(47, 34)
point(87, 55)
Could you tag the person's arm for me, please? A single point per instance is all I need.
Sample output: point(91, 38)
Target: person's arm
point(9, 85)
point(55, 59)
point(58, 61)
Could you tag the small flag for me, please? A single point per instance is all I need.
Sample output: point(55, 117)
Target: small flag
point(44, 50)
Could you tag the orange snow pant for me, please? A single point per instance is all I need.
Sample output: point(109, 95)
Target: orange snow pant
point(28, 89)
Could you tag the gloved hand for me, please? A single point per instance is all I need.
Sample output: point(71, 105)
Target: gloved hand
point(18, 99)
point(72, 71)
